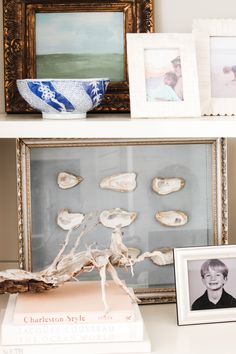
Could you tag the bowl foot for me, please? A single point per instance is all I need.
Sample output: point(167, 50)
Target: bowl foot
point(63, 115)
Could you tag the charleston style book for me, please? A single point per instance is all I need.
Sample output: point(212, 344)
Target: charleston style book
point(17, 330)
point(74, 302)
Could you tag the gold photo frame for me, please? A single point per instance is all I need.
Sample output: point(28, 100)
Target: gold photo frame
point(25, 29)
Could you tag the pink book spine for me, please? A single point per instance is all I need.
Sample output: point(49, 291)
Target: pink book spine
point(73, 318)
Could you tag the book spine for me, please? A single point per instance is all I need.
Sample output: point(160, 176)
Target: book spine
point(73, 318)
point(88, 348)
point(80, 333)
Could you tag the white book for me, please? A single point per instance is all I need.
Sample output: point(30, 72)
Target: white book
point(12, 333)
point(143, 346)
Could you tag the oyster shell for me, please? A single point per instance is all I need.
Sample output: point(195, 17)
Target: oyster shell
point(67, 220)
point(163, 256)
point(123, 182)
point(172, 218)
point(67, 180)
point(165, 186)
point(133, 253)
point(117, 217)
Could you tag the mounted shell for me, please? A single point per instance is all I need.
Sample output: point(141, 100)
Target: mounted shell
point(67, 180)
point(68, 220)
point(172, 218)
point(165, 186)
point(124, 182)
point(117, 218)
point(163, 256)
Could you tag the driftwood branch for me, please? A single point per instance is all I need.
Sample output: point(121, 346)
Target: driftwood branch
point(69, 264)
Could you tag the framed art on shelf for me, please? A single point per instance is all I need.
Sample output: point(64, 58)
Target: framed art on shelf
point(205, 284)
point(71, 39)
point(216, 50)
point(163, 75)
point(176, 188)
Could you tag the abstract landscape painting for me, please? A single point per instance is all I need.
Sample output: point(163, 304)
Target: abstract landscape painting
point(80, 45)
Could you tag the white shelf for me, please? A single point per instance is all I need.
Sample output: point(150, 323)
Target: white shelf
point(115, 126)
point(168, 338)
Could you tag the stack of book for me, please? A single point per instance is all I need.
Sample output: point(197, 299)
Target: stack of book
point(72, 318)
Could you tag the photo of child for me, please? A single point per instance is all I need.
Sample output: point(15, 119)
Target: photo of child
point(223, 67)
point(166, 91)
point(163, 75)
point(212, 291)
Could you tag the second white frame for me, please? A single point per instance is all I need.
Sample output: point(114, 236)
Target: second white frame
point(204, 30)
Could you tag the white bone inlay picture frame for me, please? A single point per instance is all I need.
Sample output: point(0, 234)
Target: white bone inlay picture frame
point(163, 75)
point(216, 52)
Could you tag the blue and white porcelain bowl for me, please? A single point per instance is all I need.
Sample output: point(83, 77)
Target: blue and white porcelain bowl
point(63, 98)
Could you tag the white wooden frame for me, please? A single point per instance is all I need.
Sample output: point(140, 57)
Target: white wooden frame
point(203, 30)
point(140, 107)
point(182, 256)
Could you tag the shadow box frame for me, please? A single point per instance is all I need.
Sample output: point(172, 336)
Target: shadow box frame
point(19, 19)
point(189, 284)
point(203, 30)
point(31, 162)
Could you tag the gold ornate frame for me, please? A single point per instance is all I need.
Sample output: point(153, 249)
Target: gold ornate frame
point(219, 194)
point(19, 43)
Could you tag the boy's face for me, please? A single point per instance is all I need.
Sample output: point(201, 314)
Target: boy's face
point(213, 279)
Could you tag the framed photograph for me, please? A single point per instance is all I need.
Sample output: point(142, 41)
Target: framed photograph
point(216, 51)
point(71, 39)
point(178, 192)
point(205, 284)
point(163, 75)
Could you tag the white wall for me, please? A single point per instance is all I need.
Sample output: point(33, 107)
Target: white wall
point(177, 15)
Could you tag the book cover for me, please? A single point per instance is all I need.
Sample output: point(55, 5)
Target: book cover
point(13, 333)
point(73, 302)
